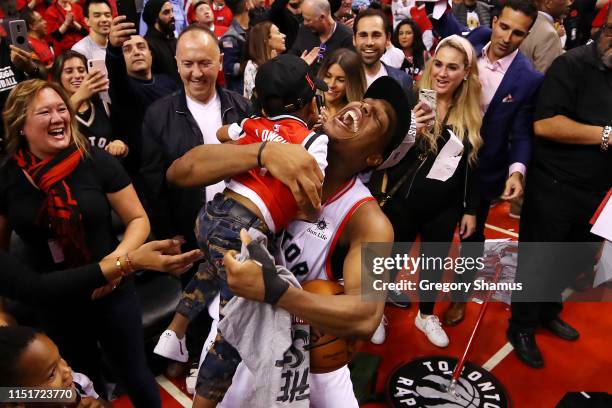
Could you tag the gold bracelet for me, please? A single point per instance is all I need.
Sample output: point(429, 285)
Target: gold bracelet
point(120, 267)
point(128, 261)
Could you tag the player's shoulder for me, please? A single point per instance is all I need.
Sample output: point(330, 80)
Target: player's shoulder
point(369, 224)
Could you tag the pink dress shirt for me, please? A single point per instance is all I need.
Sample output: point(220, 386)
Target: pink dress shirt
point(491, 75)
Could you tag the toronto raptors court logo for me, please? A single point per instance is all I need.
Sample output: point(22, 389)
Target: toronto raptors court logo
point(422, 383)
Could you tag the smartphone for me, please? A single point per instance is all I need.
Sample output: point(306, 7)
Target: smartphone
point(127, 8)
point(429, 98)
point(98, 64)
point(320, 101)
point(19, 35)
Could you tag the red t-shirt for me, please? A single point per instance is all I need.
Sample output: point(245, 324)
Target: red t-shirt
point(40, 6)
point(277, 197)
point(42, 50)
point(223, 16)
point(55, 16)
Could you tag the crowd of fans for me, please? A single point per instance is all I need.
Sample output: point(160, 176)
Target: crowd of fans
point(116, 116)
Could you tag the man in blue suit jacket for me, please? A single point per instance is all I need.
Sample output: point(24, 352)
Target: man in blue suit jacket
point(371, 31)
point(509, 91)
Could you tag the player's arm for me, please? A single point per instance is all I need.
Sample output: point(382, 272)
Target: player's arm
point(344, 315)
point(291, 164)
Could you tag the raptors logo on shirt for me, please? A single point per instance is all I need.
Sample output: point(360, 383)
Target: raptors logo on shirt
point(307, 247)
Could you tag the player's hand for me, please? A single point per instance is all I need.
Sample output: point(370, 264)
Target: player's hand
point(245, 279)
point(514, 187)
point(298, 170)
point(120, 31)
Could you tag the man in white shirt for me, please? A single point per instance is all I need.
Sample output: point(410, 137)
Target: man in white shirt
point(98, 16)
point(176, 123)
point(371, 33)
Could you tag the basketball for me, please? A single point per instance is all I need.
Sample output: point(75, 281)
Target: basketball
point(328, 352)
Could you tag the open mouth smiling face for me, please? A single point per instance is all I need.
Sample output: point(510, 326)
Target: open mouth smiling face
point(358, 118)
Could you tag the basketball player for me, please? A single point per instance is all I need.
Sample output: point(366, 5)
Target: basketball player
point(362, 136)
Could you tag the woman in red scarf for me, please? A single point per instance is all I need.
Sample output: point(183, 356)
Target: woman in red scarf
point(57, 193)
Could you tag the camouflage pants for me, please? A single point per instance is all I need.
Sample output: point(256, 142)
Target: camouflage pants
point(217, 230)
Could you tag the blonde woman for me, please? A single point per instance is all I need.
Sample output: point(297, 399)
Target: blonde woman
point(430, 201)
point(57, 193)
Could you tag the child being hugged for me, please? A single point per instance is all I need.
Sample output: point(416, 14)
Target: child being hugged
point(255, 199)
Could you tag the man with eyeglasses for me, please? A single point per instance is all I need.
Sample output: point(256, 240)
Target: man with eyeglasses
point(320, 30)
point(570, 173)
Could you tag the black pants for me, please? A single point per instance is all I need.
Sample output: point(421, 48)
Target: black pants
point(416, 218)
point(472, 247)
point(115, 322)
point(552, 212)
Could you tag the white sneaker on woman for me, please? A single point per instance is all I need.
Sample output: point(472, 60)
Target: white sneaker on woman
point(380, 334)
point(432, 328)
point(172, 347)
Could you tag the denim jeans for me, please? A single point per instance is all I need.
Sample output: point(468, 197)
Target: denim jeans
point(217, 230)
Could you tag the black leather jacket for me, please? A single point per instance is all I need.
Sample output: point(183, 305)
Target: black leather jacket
point(169, 131)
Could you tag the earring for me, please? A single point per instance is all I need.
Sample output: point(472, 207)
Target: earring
point(465, 79)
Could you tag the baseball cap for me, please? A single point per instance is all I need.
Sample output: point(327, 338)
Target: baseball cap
point(388, 89)
point(284, 84)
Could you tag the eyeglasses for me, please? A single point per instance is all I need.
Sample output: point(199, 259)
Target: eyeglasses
point(321, 53)
point(606, 29)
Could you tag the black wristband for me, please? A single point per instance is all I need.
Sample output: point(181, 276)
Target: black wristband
point(261, 147)
point(274, 285)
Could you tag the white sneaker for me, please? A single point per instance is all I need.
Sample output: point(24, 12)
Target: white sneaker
point(171, 347)
point(380, 334)
point(432, 328)
point(191, 379)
